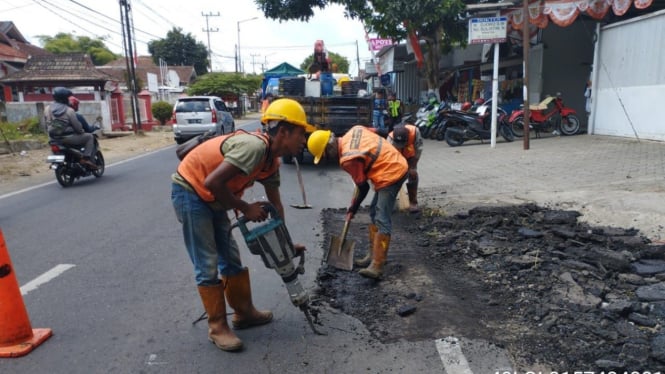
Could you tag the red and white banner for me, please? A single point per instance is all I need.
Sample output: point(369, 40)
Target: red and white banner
point(564, 12)
point(413, 46)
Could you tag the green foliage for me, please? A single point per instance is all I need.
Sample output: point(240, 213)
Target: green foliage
point(27, 128)
point(162, 111)
point(180, 49)
point(440, 23)
point(225, 84)
point(341, 61)
point(68, 43)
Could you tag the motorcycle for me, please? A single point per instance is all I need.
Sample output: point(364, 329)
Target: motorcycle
point(546, 117)
point(426, 116)
point(462, 126)
point(65, 161)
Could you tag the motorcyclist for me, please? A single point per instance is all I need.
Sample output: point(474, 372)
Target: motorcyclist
point(74, 104)
point(367, 157)
point(64, 126)
point(406, 138)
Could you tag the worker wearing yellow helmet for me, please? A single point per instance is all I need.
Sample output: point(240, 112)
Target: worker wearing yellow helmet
point(209, 182)
point(368, 158)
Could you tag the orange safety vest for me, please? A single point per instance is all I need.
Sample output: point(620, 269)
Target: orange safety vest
point(205, 158)
point(384, 165)
point(409, 149)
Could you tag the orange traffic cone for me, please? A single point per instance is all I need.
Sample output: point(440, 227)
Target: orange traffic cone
point(17, 337)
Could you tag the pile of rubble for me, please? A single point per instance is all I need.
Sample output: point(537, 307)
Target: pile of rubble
point(535, 280)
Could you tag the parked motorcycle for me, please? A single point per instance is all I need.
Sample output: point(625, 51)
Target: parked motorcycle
point(462, 126)
point(427, 116)
point(65, 161)
point(550, 115)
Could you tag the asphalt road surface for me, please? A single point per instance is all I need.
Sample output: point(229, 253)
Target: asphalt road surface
point(104, 266)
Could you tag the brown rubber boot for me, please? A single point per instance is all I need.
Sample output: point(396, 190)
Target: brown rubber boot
point(412, 191)
point(373, 229)
point(239, 295)
point(219, 331)
point(379, 254)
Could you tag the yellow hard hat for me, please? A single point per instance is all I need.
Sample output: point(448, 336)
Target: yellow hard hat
point(317, 142)
point(287, 110)
point(342, 80)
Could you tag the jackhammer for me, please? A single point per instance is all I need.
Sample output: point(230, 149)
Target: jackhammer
point(271, 241)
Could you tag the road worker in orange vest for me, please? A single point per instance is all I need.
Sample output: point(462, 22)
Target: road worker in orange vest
point(368, 158)
point(406, 138)
point(208, 183)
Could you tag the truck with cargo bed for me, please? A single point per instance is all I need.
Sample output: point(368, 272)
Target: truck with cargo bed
point(327, 108)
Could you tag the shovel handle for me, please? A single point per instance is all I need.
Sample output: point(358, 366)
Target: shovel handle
point(345, 230)
point(300, 182)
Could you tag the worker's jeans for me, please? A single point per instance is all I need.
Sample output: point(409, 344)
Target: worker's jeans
point(207, 235)
point(379, 123)
point(383, 203)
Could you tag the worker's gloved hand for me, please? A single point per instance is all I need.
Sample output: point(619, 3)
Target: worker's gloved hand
point(350, 214)
point(299, 248)
point(255, 212)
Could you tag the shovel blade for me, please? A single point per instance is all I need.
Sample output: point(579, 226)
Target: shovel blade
point(340, 253)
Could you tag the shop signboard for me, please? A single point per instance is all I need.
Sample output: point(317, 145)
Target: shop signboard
point(376, 44)
point(488, 30)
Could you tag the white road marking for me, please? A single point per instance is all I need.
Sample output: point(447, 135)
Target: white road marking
point(452, 357)
point(151, 360)
point(44, 278)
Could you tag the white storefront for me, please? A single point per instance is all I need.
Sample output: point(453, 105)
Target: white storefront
point(629, 79)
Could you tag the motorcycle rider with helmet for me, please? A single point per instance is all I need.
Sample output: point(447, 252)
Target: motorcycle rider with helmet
point(64, 126)
point(74, 104)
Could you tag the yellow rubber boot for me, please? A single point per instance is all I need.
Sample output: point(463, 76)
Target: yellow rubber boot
point(379, 254)
point(239, 295)
point(219, 331)
point(373, 229)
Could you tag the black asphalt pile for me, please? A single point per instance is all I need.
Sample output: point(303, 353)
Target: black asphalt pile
point(533, 280)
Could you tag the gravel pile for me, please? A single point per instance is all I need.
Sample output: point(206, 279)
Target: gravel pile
point(541, 284)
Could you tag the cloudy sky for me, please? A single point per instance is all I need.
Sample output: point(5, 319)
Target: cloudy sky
point(263, 43)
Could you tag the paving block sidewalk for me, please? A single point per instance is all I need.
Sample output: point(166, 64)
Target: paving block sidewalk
point(610, 180)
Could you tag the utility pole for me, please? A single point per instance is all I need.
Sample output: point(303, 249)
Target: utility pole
point(208, 30)
point(358, 59)
point(526, 41)
point(128, 44)
point(254, 63)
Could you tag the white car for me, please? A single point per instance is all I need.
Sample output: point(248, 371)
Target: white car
point(194, 115)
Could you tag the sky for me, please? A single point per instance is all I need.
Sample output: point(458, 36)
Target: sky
point(264, 43)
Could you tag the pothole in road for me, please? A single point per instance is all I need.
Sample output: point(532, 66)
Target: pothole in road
point(549, 289)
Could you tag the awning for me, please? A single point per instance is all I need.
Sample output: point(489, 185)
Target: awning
point(564, 12)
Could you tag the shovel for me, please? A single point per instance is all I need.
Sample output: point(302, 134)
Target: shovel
point(340, 253)
point(304, 204)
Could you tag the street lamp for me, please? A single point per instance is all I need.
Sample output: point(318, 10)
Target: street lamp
point(239, 68)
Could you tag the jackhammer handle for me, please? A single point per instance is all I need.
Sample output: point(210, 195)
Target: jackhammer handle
point(272, 211)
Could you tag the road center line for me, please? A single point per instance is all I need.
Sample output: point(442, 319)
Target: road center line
point(452, 357)
point(44, 278)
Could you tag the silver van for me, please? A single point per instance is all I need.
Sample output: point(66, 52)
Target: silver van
point(194, 115)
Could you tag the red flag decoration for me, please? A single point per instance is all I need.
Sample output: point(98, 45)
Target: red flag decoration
point(413, 45)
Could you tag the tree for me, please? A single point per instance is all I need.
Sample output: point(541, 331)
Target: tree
point(339, 60)
point(162, 111)
point(436, 22)
point(67, 43)
point(180, 49)
point(225, 84)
